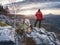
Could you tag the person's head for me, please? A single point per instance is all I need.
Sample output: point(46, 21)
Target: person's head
point(38, 10)
point(29, 41)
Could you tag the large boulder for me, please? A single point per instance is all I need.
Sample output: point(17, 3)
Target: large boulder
point(7, 33)
point(43, 37)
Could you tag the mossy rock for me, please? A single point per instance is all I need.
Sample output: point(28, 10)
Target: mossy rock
point(3, 24)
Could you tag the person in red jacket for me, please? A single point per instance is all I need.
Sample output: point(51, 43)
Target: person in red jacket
point(39, 17)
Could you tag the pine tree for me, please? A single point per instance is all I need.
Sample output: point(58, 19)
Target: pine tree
point(4, 11)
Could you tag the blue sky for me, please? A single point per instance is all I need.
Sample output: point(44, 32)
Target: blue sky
point(31, 6)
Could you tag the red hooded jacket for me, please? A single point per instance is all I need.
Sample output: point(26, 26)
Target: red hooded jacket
point(39, 15)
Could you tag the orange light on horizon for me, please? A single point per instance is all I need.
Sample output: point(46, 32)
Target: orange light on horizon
point(44, 12)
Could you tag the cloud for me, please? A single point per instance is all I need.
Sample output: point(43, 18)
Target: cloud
point(46, 5)
point(23, 7)
point(41, 0)
point(36, 1)
point(9, 1)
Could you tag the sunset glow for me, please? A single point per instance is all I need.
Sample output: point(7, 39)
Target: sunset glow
point(29, 12)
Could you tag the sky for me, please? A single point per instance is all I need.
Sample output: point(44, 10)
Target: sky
point(9, 1)
point(30, 7)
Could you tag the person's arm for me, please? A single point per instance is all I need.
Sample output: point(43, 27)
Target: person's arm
point(41, 15)
point(36, 14)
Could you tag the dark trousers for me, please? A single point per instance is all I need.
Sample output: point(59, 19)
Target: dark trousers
point(37, 22)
